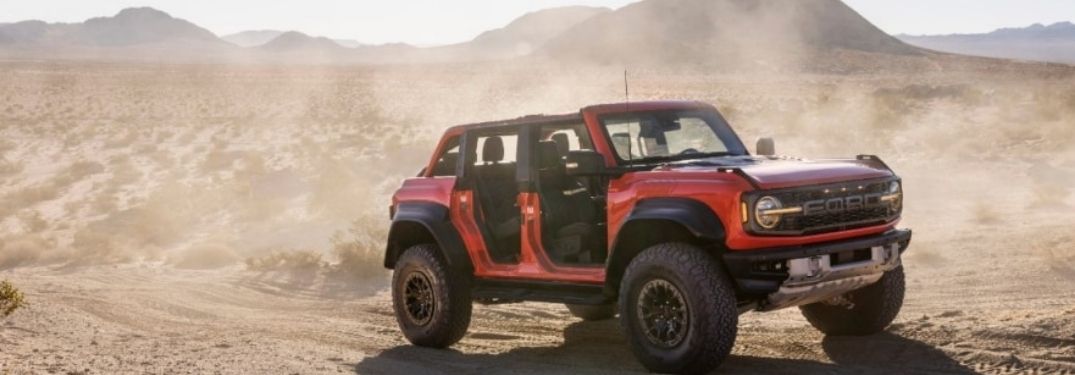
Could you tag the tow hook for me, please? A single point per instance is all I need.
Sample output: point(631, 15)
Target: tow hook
point(815, 267)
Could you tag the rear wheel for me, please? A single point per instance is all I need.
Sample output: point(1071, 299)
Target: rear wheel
point(860, 312)
point(592, 312)
point(432, 304)
point(678, 309)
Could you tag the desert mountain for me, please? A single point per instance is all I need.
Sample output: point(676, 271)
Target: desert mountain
point(294, 41)
point(520, 38)
point(531, 31)
point(25, 32)
point(1055, 43)
point(143, 25)
point(722, 32)
point(254, 38)
point(130, 27)
point(349, 43)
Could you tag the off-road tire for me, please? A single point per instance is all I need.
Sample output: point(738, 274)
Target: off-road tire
point(451, 305)
point(874, 308)
point(712, 319)
point(592, 313)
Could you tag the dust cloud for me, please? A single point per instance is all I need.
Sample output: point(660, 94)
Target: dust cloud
point(196, 167)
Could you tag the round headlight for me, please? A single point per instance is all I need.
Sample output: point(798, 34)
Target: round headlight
point(895, 203)
point(765, 204)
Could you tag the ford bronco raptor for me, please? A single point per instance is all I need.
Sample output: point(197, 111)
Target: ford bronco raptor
point(653, 211)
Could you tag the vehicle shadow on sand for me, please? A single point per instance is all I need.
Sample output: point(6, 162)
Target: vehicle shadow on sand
point(600, 348)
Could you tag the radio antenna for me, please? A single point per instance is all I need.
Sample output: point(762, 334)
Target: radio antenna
point(627, 109)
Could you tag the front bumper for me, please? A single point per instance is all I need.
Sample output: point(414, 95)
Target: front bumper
point(783, 277)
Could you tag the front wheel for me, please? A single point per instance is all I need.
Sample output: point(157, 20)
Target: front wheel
point(860, 312)
point(678, 309)
point(432, 304)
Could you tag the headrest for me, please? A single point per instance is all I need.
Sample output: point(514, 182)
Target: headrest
point(493, 150)
point(548, 155)
point(563, 145)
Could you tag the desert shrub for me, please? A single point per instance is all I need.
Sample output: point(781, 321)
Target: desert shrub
point(11, 299)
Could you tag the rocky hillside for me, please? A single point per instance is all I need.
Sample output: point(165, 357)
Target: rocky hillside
point(1054, 43)
point(722, 32)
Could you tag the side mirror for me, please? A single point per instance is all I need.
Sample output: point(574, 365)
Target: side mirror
point(766, 147)
point(585, 163)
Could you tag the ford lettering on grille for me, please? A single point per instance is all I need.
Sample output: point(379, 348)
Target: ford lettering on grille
point(841, 204)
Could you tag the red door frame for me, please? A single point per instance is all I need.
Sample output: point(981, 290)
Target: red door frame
point(534, 261)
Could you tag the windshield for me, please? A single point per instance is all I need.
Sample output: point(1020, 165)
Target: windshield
point(647, 137)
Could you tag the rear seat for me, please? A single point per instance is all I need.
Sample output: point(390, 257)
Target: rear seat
point(497, 194)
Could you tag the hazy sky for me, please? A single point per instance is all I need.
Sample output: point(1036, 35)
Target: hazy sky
point(448, 21)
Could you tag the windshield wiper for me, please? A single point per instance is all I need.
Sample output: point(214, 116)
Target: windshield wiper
point(699, 156)
point(677, 158)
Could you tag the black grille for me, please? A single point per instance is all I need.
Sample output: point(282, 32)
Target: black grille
point(801, 223)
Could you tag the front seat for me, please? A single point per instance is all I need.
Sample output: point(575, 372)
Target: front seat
point(568, 214)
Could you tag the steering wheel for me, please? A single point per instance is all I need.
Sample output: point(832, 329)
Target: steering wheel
point(689, 151)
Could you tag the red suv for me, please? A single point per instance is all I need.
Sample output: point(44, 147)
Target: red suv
point(653, 211)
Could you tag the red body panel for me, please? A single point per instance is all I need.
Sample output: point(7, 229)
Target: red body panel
point(425, 189)
point(721, 191)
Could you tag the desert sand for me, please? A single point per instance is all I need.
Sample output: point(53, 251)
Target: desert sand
point(224, 219)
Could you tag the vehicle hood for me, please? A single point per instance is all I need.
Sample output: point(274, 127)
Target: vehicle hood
point(782, 172)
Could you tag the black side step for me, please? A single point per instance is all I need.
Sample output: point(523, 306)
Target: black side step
point(539, 291)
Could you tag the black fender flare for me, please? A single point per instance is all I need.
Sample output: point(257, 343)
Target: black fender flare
point(698, 223)
point(693, 215)
point(425, 222)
